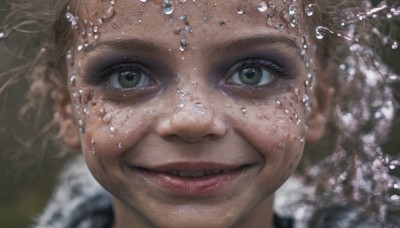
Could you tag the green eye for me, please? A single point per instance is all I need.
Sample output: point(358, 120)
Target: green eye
point(251, 76)
point(129, 79)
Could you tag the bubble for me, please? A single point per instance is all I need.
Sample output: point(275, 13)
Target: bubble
point(309, 10)
point(167, 7)
point(262, 7)
point(395, 45)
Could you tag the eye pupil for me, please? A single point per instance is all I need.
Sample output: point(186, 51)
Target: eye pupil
point(251, 75)
point(129, 79)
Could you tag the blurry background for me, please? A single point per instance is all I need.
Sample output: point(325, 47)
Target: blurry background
point(26, 182)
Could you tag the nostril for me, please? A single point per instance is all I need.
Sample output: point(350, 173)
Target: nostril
point(191, 128)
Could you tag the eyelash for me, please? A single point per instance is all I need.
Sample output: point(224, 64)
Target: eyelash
point(104, 75)
point(275, 69)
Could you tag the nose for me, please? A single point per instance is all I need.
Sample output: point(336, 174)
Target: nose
point(191, 124)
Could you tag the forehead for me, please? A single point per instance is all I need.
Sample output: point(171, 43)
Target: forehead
point(207, 19)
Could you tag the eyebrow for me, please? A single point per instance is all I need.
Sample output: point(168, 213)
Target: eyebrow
point(234, 43)
point(129, 44)
point(237, 43)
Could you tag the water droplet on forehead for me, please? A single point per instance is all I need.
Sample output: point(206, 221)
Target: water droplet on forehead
point(167, 7)
point(262, 6)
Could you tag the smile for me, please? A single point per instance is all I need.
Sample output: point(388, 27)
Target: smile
point(193, 179)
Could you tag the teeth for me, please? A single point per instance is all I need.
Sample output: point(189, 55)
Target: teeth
point(199, 173)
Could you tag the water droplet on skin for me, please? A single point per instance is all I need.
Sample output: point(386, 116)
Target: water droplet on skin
point(286, 111)
point(85, 111)
point(293, 22)
point(109, 13)
point(240, 11)
point(144, 1)
point(262, 7)
point(72, 80)
point(112, 130)
point(244, 110)
point(2, 36)
point(167, 7)
point(92, 143)
point(296, 91)
point(309, 9)
point(112, 2)
point(278, 26)
point(278, 102)
point(120, 146)
point(107, 118)
point(292, 10)
point(81, 126)
point(80, 47)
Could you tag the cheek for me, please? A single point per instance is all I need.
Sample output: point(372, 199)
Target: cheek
point(276, 129)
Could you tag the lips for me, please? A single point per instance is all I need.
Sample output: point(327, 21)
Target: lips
point(193, 179)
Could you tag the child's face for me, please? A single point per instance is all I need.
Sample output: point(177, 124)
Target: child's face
point(196, 117)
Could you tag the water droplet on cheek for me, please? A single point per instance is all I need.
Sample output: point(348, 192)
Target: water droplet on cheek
point(107, 118)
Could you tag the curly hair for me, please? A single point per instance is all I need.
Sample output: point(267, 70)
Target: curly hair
point(352, 165)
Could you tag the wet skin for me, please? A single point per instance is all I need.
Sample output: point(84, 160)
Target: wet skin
point(186, 112)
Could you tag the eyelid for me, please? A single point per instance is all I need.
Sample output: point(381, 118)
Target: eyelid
point(275, 69)
point(104, 75)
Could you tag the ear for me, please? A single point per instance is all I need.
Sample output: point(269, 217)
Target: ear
point(64, 114)
point(320, 109)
